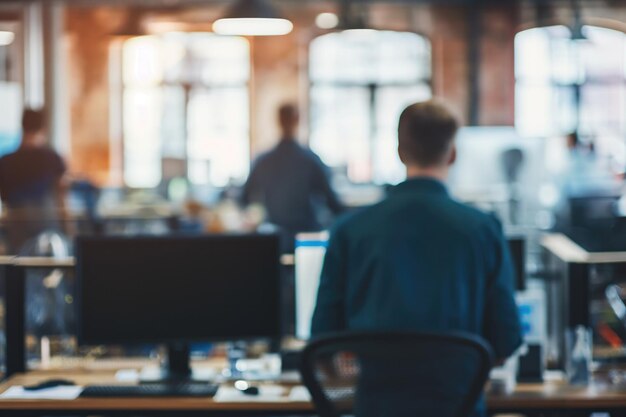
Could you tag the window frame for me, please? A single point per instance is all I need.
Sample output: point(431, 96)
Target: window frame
point(373, 90)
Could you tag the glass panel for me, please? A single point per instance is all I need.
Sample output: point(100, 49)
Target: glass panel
point(142, 61)
point(156, 119)
point(221, 59)
point(532, 45)
point(543, 110)
point(173, 122)
point(351, 130)
point(218, 135)
point(366, 57)
point(340, 118)
point(175, 65)
point(10, 117)
point(602, 109)
point(390, 102)
point(142, 137)
point(599, 53)
point(549, 65)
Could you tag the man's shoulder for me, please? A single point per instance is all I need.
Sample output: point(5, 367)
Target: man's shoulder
point(303, 151)
point(264, 157)
point(471, 220)
point(471, 212)
point(356, 218)
point(8, 158)
point(454, 214)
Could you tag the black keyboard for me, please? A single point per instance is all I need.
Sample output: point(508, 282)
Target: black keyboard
point(151, 390)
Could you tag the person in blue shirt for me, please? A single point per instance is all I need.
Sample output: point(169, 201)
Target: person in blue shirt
point(419, 260)
point(291, 182)
point(31, 187)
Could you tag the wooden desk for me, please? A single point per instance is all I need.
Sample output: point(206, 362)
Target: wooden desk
point(529, 399)
point(131, 406)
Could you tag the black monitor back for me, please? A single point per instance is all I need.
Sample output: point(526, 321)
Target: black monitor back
point(517, 247)
point(178, 289)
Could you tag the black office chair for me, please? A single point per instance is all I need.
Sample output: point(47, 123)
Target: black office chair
point(376, 374)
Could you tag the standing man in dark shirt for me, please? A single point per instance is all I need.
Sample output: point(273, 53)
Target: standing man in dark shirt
point(290, 181)
point(419, 260)
point(30, 183)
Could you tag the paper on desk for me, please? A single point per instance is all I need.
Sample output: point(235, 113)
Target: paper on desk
point(300, 393)
point(56, 393)
point(267, 394)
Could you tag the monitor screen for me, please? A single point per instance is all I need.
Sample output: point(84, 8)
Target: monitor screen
point(310, 252)
point(177, 289)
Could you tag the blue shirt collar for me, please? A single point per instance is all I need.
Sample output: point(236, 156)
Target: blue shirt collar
point(421, 185)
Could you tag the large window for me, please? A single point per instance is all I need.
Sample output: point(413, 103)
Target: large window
point(360, 82)
point(186, 109)
point(10, 88)
point(564, 86)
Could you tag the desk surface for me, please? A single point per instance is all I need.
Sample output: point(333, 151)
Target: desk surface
point(548, 396)
point(130, 404)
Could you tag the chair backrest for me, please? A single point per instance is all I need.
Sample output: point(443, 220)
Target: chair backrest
point(397, 374)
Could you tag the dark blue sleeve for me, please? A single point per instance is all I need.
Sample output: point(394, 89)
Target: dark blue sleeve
point(57, 165)
point(321, 184)
point(252, 187)
point(502, 326)
point(329, 315)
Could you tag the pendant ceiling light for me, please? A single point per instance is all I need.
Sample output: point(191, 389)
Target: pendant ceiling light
point(252, 18)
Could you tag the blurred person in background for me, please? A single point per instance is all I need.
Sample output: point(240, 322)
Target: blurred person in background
point(31, 187)
point(588, 190)
point(291, 183)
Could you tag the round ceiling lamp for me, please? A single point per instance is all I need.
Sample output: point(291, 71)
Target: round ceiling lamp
point(252, 18)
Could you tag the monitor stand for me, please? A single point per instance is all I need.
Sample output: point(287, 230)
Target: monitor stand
point(176, 370)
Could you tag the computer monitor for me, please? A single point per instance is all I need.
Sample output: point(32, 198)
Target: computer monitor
point(177, 290)
point(517, 248)
point(309, 258)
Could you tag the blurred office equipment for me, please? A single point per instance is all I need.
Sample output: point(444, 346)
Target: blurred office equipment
point(177, 290)
point(512, 163)
point(499, 171)
point(581, 284)
point(531, 358)
point(396, 374)
point(309, 257)
point(578, 355)
point(48, 289)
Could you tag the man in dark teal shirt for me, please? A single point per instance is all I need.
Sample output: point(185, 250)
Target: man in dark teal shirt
point(420, 260)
